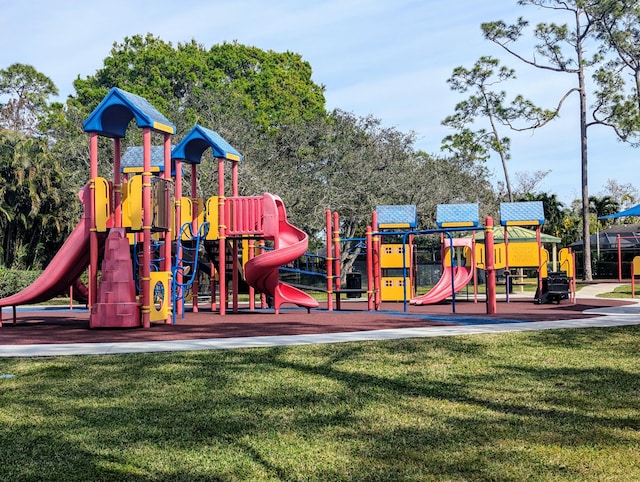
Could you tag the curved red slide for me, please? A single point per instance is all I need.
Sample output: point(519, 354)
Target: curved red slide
point(462, 276)
point(63, 270)
point(290, 243)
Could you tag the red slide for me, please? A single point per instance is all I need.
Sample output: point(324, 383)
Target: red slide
point(462, 275)
point(63, 270)
point(290, 243)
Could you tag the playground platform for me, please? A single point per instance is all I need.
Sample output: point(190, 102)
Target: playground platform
point(45, 331)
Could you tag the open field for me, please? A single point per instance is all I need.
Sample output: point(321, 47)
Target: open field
point(549, 405)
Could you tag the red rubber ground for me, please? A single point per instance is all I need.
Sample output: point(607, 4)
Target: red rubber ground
point(61, 325)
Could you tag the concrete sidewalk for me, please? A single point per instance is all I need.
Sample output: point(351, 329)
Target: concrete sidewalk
point(609, 317)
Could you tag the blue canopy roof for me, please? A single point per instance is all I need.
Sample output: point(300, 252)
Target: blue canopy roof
point(198, 140)
point(452, 215)
point(524, 213)
point(634, 211)
point(112, 116)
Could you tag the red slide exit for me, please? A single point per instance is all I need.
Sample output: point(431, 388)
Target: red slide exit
point(290, 243)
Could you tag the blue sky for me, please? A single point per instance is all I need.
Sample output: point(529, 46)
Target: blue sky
point(387, 58)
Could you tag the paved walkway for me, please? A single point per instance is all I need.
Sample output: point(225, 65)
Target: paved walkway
point(609, 317)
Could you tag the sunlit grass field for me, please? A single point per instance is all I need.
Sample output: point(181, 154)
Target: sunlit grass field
point(549, 405)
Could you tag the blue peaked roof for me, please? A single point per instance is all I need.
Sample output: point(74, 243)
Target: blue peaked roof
point(112, 116)
point(198, 140)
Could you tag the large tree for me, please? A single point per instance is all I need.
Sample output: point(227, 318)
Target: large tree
point(273, 88)
point(618, 97)
point(487, 105)
point(27, 94)
point(561, 48)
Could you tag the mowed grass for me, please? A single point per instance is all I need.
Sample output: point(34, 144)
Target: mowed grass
point(548, 405)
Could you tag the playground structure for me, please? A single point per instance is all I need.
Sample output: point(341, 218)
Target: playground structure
point(141, 238)
point(147, 210)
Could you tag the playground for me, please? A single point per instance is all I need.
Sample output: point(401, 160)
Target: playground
point(143, 243)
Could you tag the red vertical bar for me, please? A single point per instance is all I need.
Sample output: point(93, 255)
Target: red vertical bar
point(370, 303)
point(146, 228)
point(176, 227)
point(252, 291)
point(539, 259)
point(489, 254)
point(222, 220)
point(117, 183)
point(376, 261)
point(336, 251)
point(329, 261)
point(93, 235)
point(194, 228)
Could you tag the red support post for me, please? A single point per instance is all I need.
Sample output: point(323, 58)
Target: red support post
point(492, 307)
point(93, 235)
point(194, 229)
point(222, 233)
point(117, 183)
point(376, 261)
point(178, 224)
point(168, 234)
point(329, 261)
point(146, 228)
point(370, 292)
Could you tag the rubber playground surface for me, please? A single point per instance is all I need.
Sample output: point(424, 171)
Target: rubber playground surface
point(59, 325)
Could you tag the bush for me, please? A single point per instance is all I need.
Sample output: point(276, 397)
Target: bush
point(13, 281)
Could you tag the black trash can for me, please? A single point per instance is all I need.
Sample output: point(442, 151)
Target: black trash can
point(354, 282)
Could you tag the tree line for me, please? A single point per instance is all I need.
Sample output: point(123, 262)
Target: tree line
point(267, 106)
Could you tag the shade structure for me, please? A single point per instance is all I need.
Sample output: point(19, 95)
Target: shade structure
point(634, 211)
point(518, 234)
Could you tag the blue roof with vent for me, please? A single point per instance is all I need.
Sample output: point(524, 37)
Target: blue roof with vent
point(397, 216)
point(112, 116)
point(457, 215)
point(132, 160)
point(526, 213)
point(198, 140)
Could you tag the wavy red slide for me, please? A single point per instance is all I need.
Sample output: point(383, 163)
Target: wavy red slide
point(63, 270)
point(290, 243)
point(462, 276)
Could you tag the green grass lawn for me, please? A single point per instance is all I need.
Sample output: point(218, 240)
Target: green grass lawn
point(623, 291)
point(548, 405)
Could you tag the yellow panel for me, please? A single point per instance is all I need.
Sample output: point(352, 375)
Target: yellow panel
point(566, 262)
point(132, 204)
point(211, 215)
point(160, 295)
point(392, 288)
point(102, 211)
point(391, 256)
point(636, 266)
point(393, 225)
point(462, 224)
point(136, 170)
point(459, 254)
point(523, 255)
point(530, 222)
point(498, 253)
point(545, 262)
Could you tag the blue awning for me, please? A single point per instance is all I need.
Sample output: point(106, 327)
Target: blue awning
point(634, 211)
